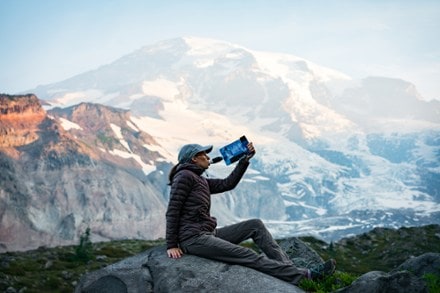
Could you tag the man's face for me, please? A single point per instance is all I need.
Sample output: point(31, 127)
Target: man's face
point(202, 160)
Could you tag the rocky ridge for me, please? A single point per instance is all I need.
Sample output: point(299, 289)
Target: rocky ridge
point(110, 131)
point(19, 119)
point(55, 183)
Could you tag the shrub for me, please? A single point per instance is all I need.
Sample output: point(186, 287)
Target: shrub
point(84, 251)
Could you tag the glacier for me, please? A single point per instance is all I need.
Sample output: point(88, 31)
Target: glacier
point(335, 156)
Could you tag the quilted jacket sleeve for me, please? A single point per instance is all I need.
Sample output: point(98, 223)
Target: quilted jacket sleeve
point(180, 188)
point(229, 183)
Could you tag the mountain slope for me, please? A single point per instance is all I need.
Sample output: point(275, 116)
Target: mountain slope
point(334, 155)
point(58, 183)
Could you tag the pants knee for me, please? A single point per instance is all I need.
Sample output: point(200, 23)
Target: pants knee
point(257, 223)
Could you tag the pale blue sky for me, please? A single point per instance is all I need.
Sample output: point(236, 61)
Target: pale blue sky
point(45, 41)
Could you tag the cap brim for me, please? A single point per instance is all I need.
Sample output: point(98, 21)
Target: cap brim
point(207, 149)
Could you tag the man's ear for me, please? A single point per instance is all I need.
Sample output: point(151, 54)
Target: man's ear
point(193, 159)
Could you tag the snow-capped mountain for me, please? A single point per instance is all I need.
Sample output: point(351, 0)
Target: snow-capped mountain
point(334, 155)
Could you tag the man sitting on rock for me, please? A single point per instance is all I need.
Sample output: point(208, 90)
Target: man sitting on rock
point(191, 229)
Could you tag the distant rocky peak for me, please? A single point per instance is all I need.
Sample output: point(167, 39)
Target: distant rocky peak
point(20, 118)
point(92, 117)
point(25, 106)
point(109, 130)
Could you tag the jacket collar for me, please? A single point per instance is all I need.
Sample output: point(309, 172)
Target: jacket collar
point(191, 167)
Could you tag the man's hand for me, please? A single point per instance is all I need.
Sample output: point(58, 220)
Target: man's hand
point(251, 149)
point(175, 252)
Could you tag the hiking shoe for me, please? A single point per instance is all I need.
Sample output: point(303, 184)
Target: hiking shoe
point(323, 270)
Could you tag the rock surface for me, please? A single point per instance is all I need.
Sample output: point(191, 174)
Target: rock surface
point(428, 263)
point(376, 282)
point(408, 277)
point(153, 271)
point(55, 183)
point(20, 118)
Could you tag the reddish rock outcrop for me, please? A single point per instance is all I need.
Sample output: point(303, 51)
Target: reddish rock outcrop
point(56, 181)
point(20, 117)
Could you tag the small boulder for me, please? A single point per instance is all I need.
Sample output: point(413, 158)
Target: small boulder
point(408, 277)
point(300, 254)
point(428, 263)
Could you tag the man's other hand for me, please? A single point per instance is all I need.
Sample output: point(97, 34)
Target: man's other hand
point(175, 252)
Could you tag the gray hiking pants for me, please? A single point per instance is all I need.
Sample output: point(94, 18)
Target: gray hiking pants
point(222, 245)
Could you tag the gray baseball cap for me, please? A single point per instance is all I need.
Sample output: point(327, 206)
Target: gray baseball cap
point(188, 151)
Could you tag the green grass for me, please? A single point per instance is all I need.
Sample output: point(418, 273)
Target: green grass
point(433, 282)
point(336, 281)
point(59, 269)
point(380, 249)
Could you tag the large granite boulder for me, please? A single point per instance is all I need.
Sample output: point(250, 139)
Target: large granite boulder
point(154, 271)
